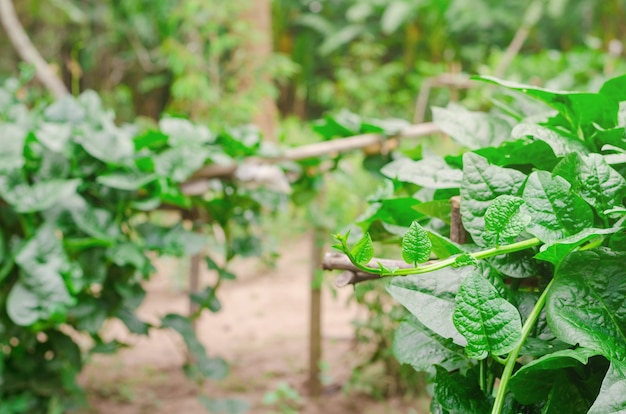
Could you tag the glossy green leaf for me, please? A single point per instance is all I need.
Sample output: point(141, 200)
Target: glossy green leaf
point(490, 324)
point(585, 304)
point(504, 221)
point(416, 245)
point(578, 112)
point(440, 209)
point(518, 265)
point(418, 346)
point(612, 397)
point(398, 211)
point(459, 394)
point(532, 382)
point(483, 183)
point(443, 247)
point(520, 152)
point(556, 211)
point(556, 251)
point(472, 129)
point(213, 368)
point(431, 172)
point(561, 145)
point(363, 250)
point(593, 179)
point(615, 88)
point(465, 259)
point(431, 299)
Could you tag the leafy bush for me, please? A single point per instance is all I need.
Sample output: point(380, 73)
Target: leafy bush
point(76, 191)
point(530, 316)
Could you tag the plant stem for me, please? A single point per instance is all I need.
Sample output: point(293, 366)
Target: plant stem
point(512, 358)
point(484, 254)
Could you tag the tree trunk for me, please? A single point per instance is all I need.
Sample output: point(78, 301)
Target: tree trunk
point(258, 16)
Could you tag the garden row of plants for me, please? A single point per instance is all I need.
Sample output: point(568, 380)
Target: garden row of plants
point(530, 315)
point(78, 193)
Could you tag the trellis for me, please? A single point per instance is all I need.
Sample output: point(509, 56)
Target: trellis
point(199, 183)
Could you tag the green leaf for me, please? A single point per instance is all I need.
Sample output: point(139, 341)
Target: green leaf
point(110, 145)
point(363, 250)
point(504, 221)
point(180, 162)
point(184, 131)
point(556, 211)
point(213, 368)
point(441, 209)
point(591, 177)
point(207, 299)
point(340, 38)
point(612, 397)
point(398, 211)
point(471, 129)
point(127, 254)
point(556, 251)
point(222, 272)
point(520, 152)
point(578, 112)
point(54, 136)
point(175, 241)
point(41, 295)
point(532, 382)
point(465, 260)
point(431, 172)
point(129, 181)
point(519, 265)
point(132, 322)
point(430, 297)
point(459, 394)
point(483, 183)
point(12, 148)
point(615, 88)
point(490, 324)
point(560, 145)
point(37, 197)
point(443, 247)
point(418, 346)
point(395, 14)
point(416, 245)
point(585, 304)
point(65, 110)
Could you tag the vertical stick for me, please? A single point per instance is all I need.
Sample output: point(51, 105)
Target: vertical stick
point(458, 234)
point(194, 267)
point(315, 321)
point(194, 284)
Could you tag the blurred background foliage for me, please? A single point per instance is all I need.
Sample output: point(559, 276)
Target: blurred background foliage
point(198, 58)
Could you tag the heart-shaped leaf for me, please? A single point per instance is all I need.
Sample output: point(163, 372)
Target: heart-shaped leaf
point(490, 324)
point(416, 245)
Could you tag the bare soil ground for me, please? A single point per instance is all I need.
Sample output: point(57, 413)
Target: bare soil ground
point(262, 331)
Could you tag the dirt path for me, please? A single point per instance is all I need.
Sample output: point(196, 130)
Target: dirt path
point(262, 331)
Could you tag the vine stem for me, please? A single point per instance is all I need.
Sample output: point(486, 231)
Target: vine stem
point(512, 358)
point(483, 254)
